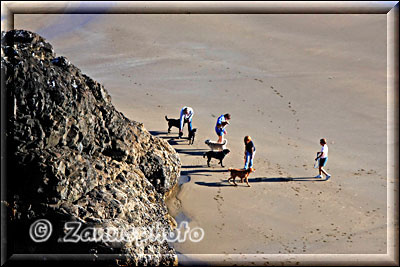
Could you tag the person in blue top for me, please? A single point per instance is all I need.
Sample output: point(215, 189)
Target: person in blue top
point(186, 116)
point(222, 121)
point(249, 152)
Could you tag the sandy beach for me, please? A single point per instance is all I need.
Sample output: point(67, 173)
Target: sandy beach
point(287, 80)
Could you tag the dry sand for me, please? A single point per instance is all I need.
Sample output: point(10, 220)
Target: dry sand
point(287, 81)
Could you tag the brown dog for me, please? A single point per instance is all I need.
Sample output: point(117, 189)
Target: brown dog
point(241, 173)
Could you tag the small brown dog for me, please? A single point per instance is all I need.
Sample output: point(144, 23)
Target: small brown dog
point(241, 173)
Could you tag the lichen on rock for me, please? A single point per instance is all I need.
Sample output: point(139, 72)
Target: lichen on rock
point(71, 156)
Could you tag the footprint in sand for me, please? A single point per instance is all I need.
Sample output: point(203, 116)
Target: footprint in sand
point(219, 198)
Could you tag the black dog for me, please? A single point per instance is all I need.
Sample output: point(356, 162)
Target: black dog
point(173, 123)
point(217, 155)
point(192, 134)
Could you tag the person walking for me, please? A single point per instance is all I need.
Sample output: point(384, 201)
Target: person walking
point(323, 159)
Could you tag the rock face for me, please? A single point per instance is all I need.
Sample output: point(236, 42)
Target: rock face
point(71, 156)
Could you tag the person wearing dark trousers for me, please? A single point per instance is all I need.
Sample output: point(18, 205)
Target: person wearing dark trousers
point(186, 116)
point(249, 152)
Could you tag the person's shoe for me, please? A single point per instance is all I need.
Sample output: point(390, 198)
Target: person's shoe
point(328, 176)
point(318, 176)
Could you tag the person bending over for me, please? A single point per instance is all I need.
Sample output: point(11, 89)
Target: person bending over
point(222, 121)
point(186, 116)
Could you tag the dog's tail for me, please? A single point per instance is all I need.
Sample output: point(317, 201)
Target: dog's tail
point(166, 118)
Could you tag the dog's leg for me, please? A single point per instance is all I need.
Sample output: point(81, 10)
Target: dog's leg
point(247, 180)
point(221, 163)
point(234, 178)
point(208, 161)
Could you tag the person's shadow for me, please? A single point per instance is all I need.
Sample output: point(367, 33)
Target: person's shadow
point(172, 138)
point(262, 179)
point(284, 179)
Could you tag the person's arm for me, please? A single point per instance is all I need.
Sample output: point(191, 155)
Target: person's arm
point(190, 114)
point(219, 122)
point(319, 154)
point(182, 117)
point(323, 150)
point(222, 125)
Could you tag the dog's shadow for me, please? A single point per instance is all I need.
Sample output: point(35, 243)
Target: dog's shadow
point(214, 184)
point(201, 171)
point(166, 135)
point(193, 152)
point(158, 133)
point(176, 141)
point(172, 138)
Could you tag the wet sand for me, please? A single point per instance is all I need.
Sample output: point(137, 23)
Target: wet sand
point(287, 81)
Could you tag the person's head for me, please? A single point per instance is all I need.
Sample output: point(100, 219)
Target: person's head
point(247, 139)
point(227, 116)
point(185, 110)
point(322, 141)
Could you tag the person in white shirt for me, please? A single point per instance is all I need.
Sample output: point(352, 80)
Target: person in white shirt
point(186, 116)
point(323, 158)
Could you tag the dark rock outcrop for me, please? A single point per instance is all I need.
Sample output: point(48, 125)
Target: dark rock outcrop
point(71, 156)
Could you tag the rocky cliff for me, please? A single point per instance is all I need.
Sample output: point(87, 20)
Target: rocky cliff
point(72, 157)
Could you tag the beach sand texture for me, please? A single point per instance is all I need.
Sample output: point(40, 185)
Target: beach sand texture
point(287, 80)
